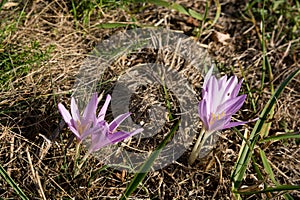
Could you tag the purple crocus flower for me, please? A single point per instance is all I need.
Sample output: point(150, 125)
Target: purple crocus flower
point(220, 101)
point(81, 126)
point(106, 134)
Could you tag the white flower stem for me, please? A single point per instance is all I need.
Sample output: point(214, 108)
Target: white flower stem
point(77, 154)
point(79, 165)
point(83, 160)
point(197, 147)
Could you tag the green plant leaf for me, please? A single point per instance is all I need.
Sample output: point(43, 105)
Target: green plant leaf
point(195, 14)
point(245, 151)
point(160, 3)
point(179, 8)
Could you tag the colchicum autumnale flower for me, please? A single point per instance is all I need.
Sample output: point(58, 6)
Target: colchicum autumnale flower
point(102, 133)
point(105, 133)
point(219, 102)
point(81, 126)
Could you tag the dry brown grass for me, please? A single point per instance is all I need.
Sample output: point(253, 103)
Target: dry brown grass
point(33, 148)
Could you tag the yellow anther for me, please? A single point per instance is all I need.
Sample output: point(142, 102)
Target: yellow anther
point(80, 128)
point(214, 117)
point(223, 114)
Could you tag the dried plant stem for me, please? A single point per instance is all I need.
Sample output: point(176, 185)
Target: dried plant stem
point(197, 147)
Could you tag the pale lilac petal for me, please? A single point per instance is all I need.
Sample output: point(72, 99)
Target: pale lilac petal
point(236, 90)
point(139, 130)
point(230, 86)
point(99, 136)
point(219, 124)
point(202, 111)
point(103, 110)
point(232, 81)
point(65, 113)
point(213, 98)
point(204, 94)
point(74, 110)
point(99, 140)
point(86, 123)
point(207, 76)
point(238, 104)
point(118, 136)
point(122, 135)
point(208, 95)
point(231, 106)
point(88, 132)
point(91, 108)
point(76, 133)
point(217, 94)
point(116, 122)
point(222, 83)
point(233, 124)
point(206, 123)
point(74, 124)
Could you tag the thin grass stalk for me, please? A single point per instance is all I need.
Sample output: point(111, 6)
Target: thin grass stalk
point(266, 66)
point(12, 183)
point(295, 135)
point(270, 189)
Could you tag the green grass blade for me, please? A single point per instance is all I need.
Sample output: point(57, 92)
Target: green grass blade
point(250, 94)
point(266, 66)
point(2, 3)
point(12, 183)
point(74, 13)
point(139, 177)
point(246, 153)
point(271, 189)
point(269, 171)
point(177, 7)
point(159, 3)
point(281, 137)
point(257, 169)
point(122, 24)
point(267, 166)
point(114, 25)
point(218, 13)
